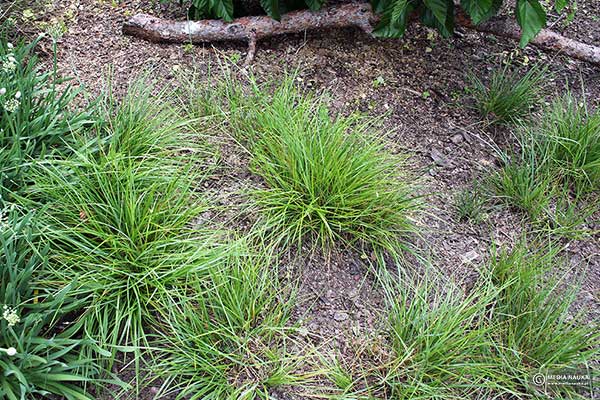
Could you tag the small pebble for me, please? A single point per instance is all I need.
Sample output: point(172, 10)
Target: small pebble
point(340, 316)
point(438, 158)
point(470, 256)
point(457, 139)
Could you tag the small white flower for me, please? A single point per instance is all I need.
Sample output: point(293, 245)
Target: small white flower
point(11, 105)
point(11, 351)
point(12, 59)
point(9, 45)
point(11, 316)
point(9, 66)
point(2, 91)
point(18, 95)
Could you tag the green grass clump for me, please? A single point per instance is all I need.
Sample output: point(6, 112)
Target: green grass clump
point(556, 167)
point(570, 142)
point(118, 215)
point(471, 204)
point(509, 96)
point(37, 356)
point(524, 182)
point(489, 343)
point(536, 330)
point(441, 344)
point(36, 118)
point(326, 178)
point(226, 336)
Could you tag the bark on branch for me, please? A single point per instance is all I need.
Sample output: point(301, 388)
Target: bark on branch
point(161, 30)
point(545, 40)
point(251, 29)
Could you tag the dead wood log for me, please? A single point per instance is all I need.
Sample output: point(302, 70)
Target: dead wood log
point(359, 15)
point(241, 29)
point(545, 40)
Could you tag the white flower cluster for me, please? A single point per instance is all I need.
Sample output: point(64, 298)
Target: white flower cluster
point(9, 62)
point(10, 315)
point(12, 104)
point(8, 65)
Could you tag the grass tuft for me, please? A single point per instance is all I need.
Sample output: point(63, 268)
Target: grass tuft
point(488, 343)
point(524, 183)
point(556, 169)
point(226, 335)
point(441, 344)
point(570, 142)
point(536, 330)
point(509, 96)
point(471, 204)
point(118, 215)
point(326, 178)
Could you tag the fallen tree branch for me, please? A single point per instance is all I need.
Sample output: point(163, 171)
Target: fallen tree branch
point(545, 40)
point(252, 29)
point(160, 30)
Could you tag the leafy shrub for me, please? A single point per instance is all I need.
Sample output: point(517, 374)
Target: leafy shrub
point(119, 216)
point(509, 96)
point(224, 336)
point(395, 14)
point(329, 179)
point(37, 357)
point(36, 119)
point(228, 9)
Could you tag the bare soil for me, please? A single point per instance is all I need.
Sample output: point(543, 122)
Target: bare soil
point(426, 114)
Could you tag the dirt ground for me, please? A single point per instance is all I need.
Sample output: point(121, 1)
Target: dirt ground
point(423, 99)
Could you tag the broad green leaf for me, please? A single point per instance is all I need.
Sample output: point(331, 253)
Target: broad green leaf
point(399, 13)
point(394, 19)
point(271, 7)
point(531, 17)
point(477, 9)
point(194, 12)
point(222, 9)
point(314, 4)
point(385, 29)
point(445, 27)
point(439, 9)
point(379, 6)
point(201, 5)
